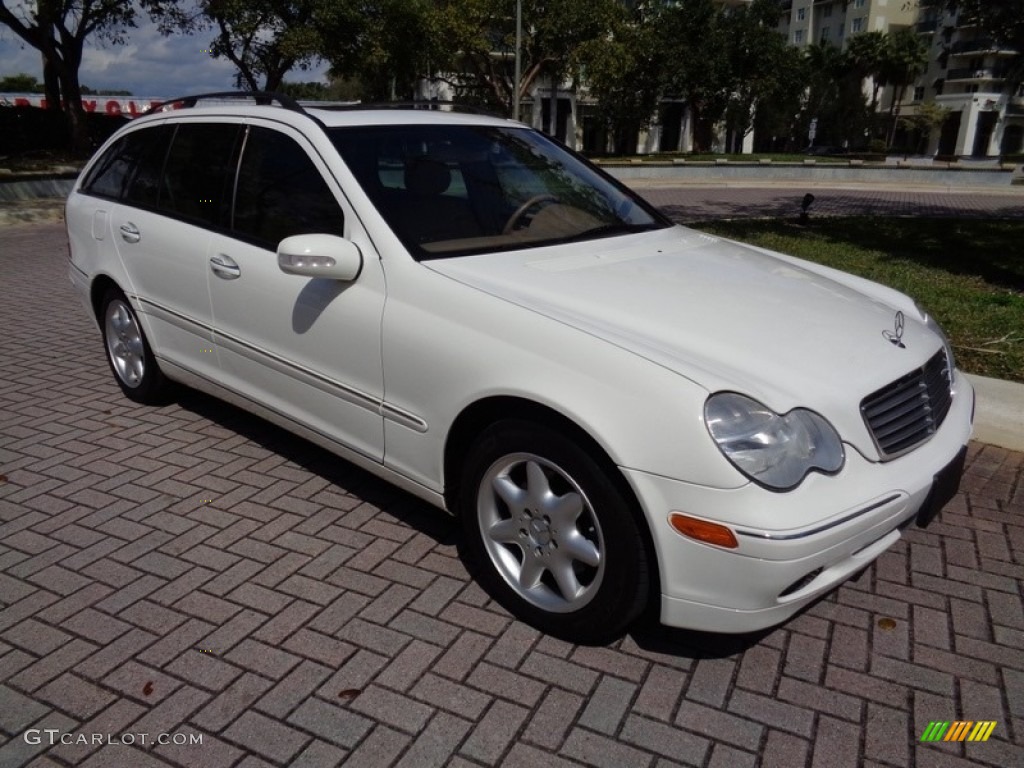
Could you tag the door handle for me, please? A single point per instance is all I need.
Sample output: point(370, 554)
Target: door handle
point(225, 267)
point(130, 233)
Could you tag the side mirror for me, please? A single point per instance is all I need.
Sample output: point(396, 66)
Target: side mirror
point(324, 256)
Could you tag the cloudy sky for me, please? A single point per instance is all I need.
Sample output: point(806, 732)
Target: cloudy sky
point(148, 64)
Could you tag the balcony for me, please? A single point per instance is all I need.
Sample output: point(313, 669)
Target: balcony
point(977, 73)
point(977, 45)
point(926, 27)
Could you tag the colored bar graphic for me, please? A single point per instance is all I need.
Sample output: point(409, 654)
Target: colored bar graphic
point(935, 731)
point(958, 730)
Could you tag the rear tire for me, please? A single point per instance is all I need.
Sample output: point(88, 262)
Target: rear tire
point(128, 352)
point(553, 537)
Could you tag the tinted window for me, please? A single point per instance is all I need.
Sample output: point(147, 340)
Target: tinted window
point(144, 188)
point(281, 193)
point(200, 171)
point(110, 176)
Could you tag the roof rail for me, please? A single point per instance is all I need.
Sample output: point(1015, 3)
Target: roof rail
point(260, 97)
point(445, 105)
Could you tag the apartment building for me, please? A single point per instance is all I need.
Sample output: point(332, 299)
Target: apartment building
point(833, 21)
point(967, 74)
point(966, 71)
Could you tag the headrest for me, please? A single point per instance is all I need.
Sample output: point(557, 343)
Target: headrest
point(425, 176)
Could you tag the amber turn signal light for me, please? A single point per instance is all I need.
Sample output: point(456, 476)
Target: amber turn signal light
point(702, 530)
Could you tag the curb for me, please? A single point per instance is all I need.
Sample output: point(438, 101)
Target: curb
point(999, 412)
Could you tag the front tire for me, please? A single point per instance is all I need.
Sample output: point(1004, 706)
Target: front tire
point(554, 538)
point(128, 352)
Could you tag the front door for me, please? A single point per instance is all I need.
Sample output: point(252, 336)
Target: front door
point(307, 348)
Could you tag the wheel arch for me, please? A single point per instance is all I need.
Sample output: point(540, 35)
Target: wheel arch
point(100, 285)
point(479, 415)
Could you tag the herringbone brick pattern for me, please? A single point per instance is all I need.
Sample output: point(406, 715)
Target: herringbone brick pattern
point(191, 570)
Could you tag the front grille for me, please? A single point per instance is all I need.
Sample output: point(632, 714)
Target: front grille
point(911, 409)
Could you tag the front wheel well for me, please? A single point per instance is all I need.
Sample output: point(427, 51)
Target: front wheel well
point(481, 414)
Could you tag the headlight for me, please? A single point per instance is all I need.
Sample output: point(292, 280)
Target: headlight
point(776, 451)
point(933, 326)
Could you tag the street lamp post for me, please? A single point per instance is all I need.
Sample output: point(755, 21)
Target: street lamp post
point(519, 43)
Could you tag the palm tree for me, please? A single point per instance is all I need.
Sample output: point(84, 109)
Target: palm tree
point(866, 53)
point(906, 60)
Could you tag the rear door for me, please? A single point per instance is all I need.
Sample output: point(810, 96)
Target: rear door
point(162, 229)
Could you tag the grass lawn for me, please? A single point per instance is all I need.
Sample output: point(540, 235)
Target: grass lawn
point(969, 274)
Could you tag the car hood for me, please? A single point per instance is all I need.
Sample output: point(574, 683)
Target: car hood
point(725, 315)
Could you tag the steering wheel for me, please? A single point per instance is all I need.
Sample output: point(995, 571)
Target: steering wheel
point(518, 213)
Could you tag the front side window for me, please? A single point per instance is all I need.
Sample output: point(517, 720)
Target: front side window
point(281, 193)
point(451, 190)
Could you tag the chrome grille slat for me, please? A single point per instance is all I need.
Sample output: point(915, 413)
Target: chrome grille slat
point(910, 405)
point(908, 411)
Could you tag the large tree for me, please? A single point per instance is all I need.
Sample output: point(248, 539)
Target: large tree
point(694, 51)
point(623, 75)
point(58, 29)
point(265, 39)
point(476, 40)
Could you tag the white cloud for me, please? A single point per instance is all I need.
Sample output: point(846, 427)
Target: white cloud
point(147, 63)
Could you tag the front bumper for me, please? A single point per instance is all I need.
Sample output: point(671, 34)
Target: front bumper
point(846, 522)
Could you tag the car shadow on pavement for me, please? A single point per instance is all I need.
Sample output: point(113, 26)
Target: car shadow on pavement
point(347, 477)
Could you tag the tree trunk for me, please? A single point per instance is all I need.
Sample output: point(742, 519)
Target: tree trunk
point(553, 115)
point(894, 113)
point(51, 83)
point(72, 91)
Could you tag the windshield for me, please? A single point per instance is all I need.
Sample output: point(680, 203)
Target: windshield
point(452, 190)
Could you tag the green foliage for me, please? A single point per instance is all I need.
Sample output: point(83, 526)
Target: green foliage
point(969, 274)
point(264, 39)
point(927, 117)
point(58, 30)
point(20, 83)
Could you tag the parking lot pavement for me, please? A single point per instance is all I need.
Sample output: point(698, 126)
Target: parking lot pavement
point(193, 571)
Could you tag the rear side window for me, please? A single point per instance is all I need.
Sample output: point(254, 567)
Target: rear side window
point(143, 189)
point(281, 193)
point(111, 175)
point(199, 172)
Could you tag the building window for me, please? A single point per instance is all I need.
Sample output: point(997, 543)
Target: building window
point(919, 93)
point(798, 36)
point(857, 25)
point(858, 3)
point(826, 33)
point(801, 14)
point(826, 11)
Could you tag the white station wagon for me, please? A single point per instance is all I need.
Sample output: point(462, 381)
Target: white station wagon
point(620, 410)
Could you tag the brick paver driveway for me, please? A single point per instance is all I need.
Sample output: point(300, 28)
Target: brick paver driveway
point(192, 570)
